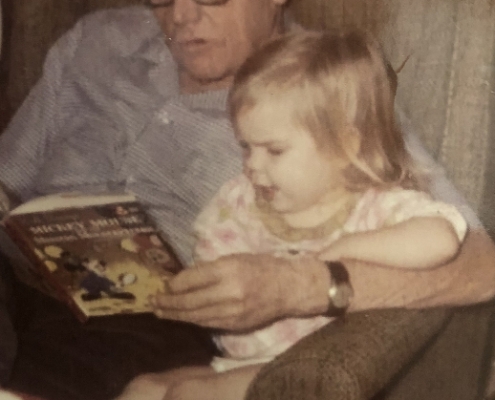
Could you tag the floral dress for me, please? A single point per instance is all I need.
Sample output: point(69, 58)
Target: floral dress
point(233, 222)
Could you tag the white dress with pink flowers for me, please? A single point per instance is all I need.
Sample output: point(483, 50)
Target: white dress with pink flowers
point(231, 224)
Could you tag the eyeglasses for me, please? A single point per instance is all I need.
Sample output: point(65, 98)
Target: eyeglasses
point(168, 3)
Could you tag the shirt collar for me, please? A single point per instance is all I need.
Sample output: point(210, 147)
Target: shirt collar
point(151, 46)
point(209, 100)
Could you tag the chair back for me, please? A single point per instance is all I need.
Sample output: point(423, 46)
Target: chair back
point(447, 86)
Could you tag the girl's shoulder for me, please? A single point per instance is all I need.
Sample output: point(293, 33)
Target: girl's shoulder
point(236, 193)
point(379, 208)
point(393, 197)
point(233, 201)
point(375, 197)
point(376, 207)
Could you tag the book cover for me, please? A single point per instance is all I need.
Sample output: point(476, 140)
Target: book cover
point(102, 255)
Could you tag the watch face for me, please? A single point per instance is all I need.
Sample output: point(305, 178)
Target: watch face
point(342, 296)
point(340, 292)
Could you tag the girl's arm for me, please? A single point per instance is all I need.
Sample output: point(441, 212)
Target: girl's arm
point(419, 242)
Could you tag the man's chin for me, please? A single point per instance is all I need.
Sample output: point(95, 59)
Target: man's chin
point(206, 76)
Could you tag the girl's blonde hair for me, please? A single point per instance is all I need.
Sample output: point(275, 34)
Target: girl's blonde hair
point(343, 90)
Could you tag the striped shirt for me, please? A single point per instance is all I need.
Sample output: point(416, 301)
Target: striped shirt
point(108, 114)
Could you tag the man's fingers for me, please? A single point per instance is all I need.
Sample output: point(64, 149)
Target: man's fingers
point(222, 316)
point(193, 279)
point(209, 295)
point(186, 301)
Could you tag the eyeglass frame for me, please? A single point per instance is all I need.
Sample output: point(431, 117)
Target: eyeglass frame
point(168, 3)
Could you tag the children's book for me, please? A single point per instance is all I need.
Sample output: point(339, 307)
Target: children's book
point(101, 254)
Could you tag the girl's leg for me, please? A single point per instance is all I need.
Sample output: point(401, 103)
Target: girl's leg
point(210, 385)
point(154, 386)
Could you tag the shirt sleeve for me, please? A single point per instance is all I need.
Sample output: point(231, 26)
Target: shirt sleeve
point(403, 205)
point(220, 228)
point(439, 186)
point(24, 143)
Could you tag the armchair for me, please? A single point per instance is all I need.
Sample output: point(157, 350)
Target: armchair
point(447, 88)
point(387, 354)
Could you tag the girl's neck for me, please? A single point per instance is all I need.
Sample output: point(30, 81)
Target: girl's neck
point(320, 213)
point(311, 224)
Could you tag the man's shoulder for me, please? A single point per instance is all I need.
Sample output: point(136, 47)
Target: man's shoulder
point(123, 29)
point(127, 20)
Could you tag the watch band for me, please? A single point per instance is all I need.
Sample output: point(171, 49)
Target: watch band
point(340, 291)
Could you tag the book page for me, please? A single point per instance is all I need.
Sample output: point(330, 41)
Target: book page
point(70, 200)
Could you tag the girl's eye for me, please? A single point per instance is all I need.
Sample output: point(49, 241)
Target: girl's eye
point(275, 152)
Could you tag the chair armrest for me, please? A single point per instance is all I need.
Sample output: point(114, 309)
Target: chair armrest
point(349, 360)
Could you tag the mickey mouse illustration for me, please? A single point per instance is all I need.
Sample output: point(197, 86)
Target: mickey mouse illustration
point(96, 283)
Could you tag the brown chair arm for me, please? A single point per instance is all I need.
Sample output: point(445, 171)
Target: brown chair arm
point(349, 360)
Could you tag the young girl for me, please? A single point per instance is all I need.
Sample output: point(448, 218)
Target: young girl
point(326, 172)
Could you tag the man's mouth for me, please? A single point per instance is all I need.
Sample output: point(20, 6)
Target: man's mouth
point(192, 44)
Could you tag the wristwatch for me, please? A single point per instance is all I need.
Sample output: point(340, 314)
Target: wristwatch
point(340, 291)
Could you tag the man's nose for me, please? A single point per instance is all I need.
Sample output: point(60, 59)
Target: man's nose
point(186, 11)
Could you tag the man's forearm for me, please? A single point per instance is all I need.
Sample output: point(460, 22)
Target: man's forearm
point(470, 278)
point(245, 291)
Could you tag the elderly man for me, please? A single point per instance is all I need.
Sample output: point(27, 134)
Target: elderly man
point(135, 99)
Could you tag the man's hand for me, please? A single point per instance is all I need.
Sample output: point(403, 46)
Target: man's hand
point(245, 291)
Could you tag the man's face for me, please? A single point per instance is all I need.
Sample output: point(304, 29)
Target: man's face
point(211, 42)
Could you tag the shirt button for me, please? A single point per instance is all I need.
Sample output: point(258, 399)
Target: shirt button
point(164, 117)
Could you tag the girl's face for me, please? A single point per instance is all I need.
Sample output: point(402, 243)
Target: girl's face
point(286, 166)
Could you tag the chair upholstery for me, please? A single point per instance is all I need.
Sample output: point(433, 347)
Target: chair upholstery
point(446, 88)
point(386, 355)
